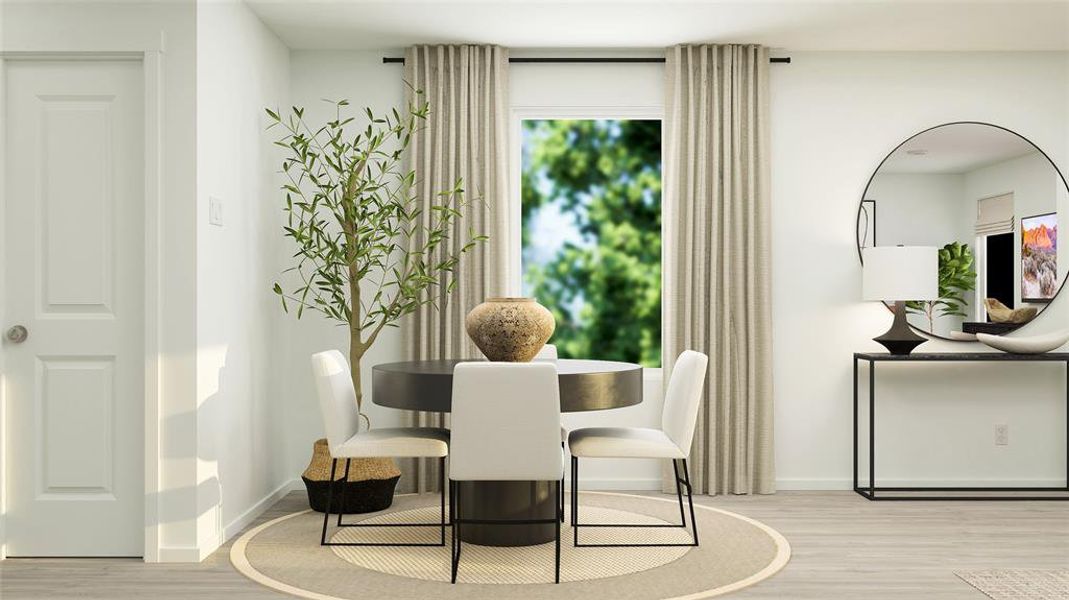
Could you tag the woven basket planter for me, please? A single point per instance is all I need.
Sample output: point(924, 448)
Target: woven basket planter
point(369, 487)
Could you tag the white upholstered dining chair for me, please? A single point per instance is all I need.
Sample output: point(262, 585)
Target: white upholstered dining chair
point(505, 419)
point(548, 353)
point(672, 441)
point(337, 402)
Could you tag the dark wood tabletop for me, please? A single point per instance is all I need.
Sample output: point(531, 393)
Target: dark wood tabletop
point(427, 385)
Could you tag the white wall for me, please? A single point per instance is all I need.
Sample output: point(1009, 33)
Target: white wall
point(167, 28)
point(242, 68)
point(834, 117)
point(920, 209)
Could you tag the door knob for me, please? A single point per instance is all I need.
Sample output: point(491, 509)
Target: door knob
point(17, 334)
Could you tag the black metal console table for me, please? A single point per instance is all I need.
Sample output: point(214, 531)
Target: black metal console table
point(870, 491)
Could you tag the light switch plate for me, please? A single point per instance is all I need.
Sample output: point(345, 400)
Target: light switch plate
point(1002, 435)
point(215, 211)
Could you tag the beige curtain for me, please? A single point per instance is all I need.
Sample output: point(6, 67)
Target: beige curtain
point(717, 262)
point(464, 137)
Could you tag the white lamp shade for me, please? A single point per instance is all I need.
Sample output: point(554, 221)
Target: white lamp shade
point(894, 273)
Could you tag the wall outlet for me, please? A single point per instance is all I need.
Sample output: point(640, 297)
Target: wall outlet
point(215, 211)
point(1002, 435)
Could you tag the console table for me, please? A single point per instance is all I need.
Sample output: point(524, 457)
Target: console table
point(870, 491)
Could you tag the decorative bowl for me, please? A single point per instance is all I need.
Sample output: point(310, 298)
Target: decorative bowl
point(1037, 344)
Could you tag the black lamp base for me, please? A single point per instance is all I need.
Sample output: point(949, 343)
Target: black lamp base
point(900, 338)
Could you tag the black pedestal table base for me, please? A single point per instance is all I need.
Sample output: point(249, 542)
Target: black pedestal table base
point(508, 501)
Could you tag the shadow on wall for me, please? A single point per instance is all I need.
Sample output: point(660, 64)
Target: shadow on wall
point(199, 462)
point(226, 461)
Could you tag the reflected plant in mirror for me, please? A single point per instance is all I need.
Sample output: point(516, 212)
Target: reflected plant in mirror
point(990, 199)
point(956, 278)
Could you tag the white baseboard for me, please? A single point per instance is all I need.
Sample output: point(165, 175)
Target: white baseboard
point(814, 484)
point(180, 554)
point(246, 518)
point(848, 484)
point(193, 554)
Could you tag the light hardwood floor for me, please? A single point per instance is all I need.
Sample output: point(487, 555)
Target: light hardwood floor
point(843, 547)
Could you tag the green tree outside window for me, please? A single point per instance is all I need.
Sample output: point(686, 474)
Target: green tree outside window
point(591, 202)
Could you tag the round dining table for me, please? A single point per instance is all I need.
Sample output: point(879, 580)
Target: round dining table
point(427, 385)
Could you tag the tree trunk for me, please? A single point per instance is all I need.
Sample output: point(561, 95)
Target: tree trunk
point(356, 352)
point(357, 348)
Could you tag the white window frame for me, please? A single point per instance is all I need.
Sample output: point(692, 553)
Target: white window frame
point(514, 281)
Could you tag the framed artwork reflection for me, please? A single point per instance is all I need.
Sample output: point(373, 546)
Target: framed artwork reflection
point(1039, 258)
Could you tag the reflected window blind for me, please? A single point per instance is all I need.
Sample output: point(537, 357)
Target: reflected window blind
point(994, 215)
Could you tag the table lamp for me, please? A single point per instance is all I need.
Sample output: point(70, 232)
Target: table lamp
point(899, 274)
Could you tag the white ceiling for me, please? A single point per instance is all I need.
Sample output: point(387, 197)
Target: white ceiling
point(957, 148)
point(875, 25)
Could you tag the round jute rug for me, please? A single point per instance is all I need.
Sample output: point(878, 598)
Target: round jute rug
point(735, 552)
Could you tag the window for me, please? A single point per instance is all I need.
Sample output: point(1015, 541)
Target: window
point(591, 234)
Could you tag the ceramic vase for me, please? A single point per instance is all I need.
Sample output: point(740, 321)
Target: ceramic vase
point(510, 329)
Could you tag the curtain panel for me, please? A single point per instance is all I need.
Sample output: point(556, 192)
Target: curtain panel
point(465, 137)
point(717, 260)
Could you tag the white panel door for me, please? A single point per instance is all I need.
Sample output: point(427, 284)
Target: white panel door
point(74, 269)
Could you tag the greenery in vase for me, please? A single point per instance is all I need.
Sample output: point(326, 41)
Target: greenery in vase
point(956, 277)
point(367, 251)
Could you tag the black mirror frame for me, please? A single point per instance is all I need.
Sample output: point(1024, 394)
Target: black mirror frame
point(860, 206)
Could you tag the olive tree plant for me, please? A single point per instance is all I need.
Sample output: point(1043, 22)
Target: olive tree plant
point(367, 251)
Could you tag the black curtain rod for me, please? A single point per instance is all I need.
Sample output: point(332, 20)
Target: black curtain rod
point(571, 59)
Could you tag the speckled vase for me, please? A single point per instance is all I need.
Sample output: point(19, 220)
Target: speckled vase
point(510, 329)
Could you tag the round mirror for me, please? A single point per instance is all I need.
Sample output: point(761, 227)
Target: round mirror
point(992, 202)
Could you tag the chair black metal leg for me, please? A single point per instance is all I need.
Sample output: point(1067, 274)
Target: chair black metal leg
point(456, 534)
point(441, 494)
point(561, 494)
point(575, 500)
point(330, 494)
point(330, 499)
point(453, 526)
point(679, 493)
point(680, 485)
point(452, 501)
point(344, 478)
point(690, 499)
point(560, 514)
point(560, 518)
point(456, 546)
